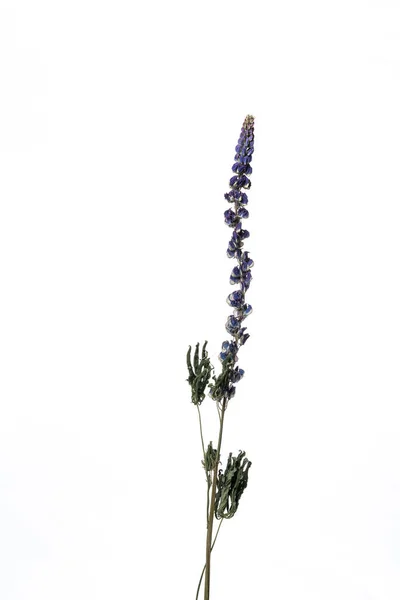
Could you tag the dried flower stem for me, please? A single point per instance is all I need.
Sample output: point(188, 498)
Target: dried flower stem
point(212, 507)
point(201, 433)
point(204, 568)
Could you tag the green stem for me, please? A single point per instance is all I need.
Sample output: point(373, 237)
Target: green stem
point(204, 455)
point(212, 506)
point(204, 568)
point(208, 495)
point(201, 432)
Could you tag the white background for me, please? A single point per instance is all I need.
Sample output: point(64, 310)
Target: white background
point(118, 122)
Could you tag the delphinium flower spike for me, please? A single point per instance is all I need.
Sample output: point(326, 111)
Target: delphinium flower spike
point(241, 274)
point(224, 488)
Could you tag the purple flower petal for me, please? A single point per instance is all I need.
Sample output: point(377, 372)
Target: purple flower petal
point(243, 213)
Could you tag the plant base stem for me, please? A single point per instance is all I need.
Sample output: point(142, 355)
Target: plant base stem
point(212, 506)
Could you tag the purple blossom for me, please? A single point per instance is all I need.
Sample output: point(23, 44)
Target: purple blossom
point(236, 275)
point(245, 281)
point(231, 391)
point(231, 218)
point(243, 312)
point(232, 196)
point(240, 181)
point(241, 168)
point(229, 351)
point(242, 233)
point(235, 299)
point(246, 263)
point(232, 325)
point(237, 375)
point(242, 337)
point(236, 196)
point(243, 213)
point(234, 246)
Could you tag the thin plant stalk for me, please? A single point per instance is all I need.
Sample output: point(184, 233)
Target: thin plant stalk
point(204, 568)
point(212, 507)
